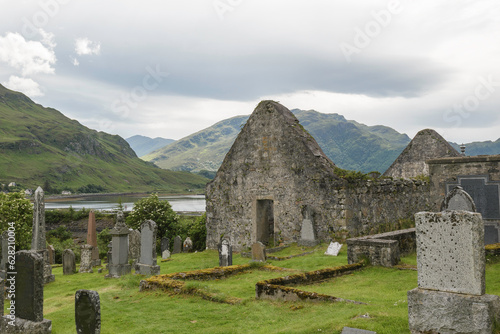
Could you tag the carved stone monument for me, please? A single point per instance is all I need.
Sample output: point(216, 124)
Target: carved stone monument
point(458, 199)
point(258, 252)
point(165, 248)
point(92, 239)
point(86, 259)
point(134, 245)
point(28, 298)
point(307, 233)
point(225, 253)
point(38, 241)
point(87, 312)
point(119, 252)
point(147, 257)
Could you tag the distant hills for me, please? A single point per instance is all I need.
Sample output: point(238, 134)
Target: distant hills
point(349, 144)
point(143, 145)
point(42, 147)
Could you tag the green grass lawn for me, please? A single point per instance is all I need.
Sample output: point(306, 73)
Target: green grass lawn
point(126, 310)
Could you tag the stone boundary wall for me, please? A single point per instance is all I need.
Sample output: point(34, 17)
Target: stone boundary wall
point(382, 249)
point(276, 289)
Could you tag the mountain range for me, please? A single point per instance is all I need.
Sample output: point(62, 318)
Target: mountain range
point(143, 145)
point(41, 147)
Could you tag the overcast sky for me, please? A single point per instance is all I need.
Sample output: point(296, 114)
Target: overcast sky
point(170, 68)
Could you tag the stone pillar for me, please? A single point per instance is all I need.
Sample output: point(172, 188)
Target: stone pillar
point(451, 276)
point(119, 253)
point(69, 263)
point(87, 312)
point(134, 245)
point(38, 241)
point(28, 297)
point(147, 258)
point(225, 253)
point(51, 254)
point(86, 259)
point(92, 239)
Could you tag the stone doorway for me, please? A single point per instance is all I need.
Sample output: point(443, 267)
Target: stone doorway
point(265, 221)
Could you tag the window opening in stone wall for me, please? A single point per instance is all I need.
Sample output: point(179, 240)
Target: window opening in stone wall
point(265, 222)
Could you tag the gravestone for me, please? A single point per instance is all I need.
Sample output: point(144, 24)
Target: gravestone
point(458, 199)
point(349, 330)
point(147, 256)
point(258, 252)
point(307, 232)
point(225, 253)
point(92, 239)
point(4, 253)
point(165, 244)
point(51, 254)
point(177, 245)
point(187, 246)
point(451, 276)
point(86, 259)
point(38, 241)
point(333, 249)
point(110, 254)
point(69, 262)
point(2, 287)
point(165, 248)
point(134, 245)
point(28, 297)
point(87, 312)
point(119, 251)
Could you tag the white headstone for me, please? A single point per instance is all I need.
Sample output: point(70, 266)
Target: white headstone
point(333, 249)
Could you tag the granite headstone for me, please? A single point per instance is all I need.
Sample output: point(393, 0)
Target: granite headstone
point(69, 262)
point(87, 312)
point(147, 255)
point(86, 259)
point(177, 245)
point(258, 252)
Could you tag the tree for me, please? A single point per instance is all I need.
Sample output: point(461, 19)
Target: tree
point(158, 211)
point(14, 208)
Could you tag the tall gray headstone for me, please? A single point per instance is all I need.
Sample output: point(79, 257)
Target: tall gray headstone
point(69, 262)
point(134, 245)
point(258, 252)
point(119, 249)
point(28, 297)
point(177, 245)
point(38, 241)
point(307, 232)
point(87, 312)
point(51, 254)
point(187, 246)
point(225, 253)
point(458, 199)
point(147, 256)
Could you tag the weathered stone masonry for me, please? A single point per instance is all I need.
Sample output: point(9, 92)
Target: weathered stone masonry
point(275, 172)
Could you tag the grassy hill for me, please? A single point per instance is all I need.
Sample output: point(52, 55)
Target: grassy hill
point(350, 145)
point(40, 146)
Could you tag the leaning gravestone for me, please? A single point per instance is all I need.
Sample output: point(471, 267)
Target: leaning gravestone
point(87, 312)
point(458, 199)
point(225, 253)
point(92, 239)
point(86, 259)
point(29, 297)
point(177, 245)
point(147, 256)
point(451, 276)
point(134, 245)
point(69, 262)
point(333, 249)
point(258, 252)
point(119, 251)
point(187, 246)
point(38, 241)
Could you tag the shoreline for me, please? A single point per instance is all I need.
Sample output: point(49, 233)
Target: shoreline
point(51, 198)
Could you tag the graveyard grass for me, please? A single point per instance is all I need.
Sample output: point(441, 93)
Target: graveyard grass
point(126, 310)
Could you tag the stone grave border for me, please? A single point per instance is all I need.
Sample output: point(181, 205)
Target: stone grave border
point(276, 288)
point(383, 249)
point(492, 249)
point(175, 282)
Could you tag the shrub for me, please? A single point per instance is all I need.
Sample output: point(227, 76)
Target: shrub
point(14, 208)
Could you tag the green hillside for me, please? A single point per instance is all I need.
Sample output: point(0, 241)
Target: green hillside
point(480, 147)
point(40, 146)
point(350, 145)
point(143, 145)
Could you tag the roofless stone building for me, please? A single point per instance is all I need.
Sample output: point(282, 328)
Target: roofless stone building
point(275, 176)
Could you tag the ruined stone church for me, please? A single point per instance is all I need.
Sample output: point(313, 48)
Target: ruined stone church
point(275, 177)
